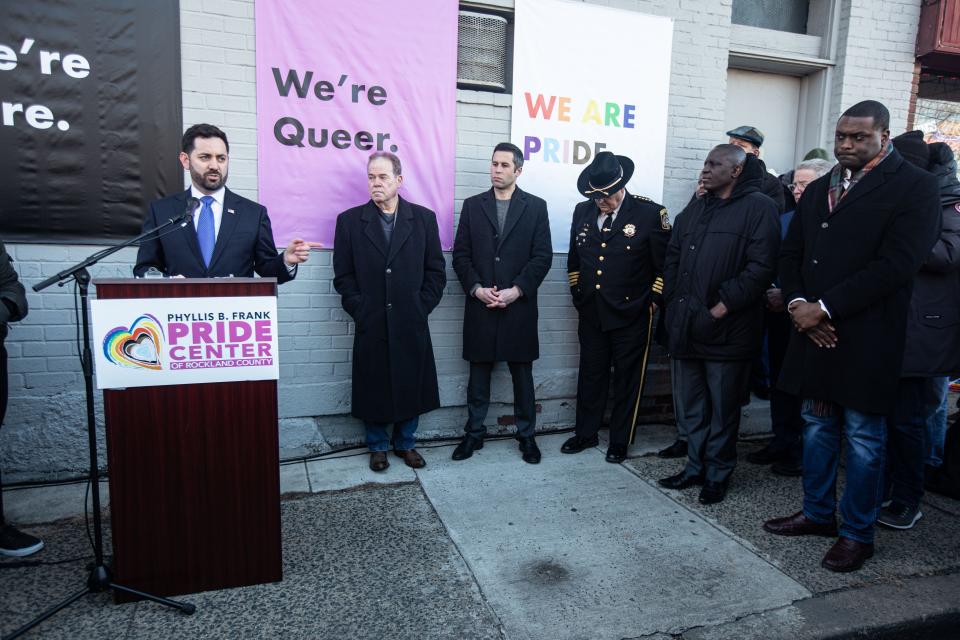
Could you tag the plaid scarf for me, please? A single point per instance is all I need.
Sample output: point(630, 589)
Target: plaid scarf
point(837, 175)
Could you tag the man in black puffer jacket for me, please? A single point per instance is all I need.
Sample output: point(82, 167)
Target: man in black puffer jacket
point(720, 261)
point(932, 350)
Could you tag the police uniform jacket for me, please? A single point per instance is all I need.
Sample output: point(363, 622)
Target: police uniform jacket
point(615, 273)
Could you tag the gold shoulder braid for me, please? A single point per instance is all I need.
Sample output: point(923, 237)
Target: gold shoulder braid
point(665, 220)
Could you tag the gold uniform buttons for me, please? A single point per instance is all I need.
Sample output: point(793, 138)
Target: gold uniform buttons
point(601, 258)
point(603, 245)
point(599, 272)
point(598, 286)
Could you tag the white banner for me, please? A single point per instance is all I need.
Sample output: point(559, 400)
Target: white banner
point(147, 342)
point(586, 79)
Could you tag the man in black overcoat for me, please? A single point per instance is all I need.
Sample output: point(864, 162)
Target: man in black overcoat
point(859, 236)
point(615, 265)
point(389, 271)
point(501, 254)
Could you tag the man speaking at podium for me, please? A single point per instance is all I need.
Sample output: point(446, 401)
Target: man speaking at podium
point(228, 235)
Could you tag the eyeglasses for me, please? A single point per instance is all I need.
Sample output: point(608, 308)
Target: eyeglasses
point(798, 185)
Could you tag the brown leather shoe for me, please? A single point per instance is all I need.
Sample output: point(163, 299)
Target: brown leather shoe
point(799, 525)
point(378, 461)
point(411, 458)
point(847, 555)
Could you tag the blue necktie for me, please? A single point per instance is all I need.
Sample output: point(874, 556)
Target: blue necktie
point(205, 234)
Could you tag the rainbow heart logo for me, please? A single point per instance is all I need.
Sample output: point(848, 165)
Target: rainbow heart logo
point(137, 346)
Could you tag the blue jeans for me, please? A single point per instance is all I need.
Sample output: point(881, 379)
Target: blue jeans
point(403, 435)
point(936, 427)
point(865, 437)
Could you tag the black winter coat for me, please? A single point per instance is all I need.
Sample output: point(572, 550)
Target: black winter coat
point(860, 261)
point(721, 250)
point(933, 323)
point(13, 297)
point(389, 292)
point(521, 255)
point(771, 186)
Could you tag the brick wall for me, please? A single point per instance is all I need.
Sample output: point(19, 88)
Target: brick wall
point(875, 57)
point(45, 433)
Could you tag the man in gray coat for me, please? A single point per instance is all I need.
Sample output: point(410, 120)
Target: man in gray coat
point(501, 254)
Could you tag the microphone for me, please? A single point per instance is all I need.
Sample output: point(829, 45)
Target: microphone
point(187, 215)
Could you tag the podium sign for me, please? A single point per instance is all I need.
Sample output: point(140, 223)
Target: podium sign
point(165, 341)
point(194, 468)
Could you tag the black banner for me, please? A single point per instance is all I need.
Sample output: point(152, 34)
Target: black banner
point(90, 116)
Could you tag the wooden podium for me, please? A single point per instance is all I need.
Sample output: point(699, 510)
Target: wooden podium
point(194, 469)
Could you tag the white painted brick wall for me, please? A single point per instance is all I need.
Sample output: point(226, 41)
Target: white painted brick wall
point(44, 433)
point(875, 58)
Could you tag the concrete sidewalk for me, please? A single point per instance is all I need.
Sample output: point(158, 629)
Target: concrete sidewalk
point(494, 548)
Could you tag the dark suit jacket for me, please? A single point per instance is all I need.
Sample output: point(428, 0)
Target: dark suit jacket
point(614, 276)
point(860, 260)
point(521, 256)
point(389, 290)
point(244, 243)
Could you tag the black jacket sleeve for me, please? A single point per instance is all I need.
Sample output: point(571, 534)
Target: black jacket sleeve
point(761, 256)
point(344, 268)
point(541, 255)
point(434, 266)
point(463, 250)
point(14, 296)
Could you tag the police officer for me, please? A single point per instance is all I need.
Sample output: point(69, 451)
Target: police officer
point(615, 264)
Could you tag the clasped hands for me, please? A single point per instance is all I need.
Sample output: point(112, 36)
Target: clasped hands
point(495, 298)
point(811, 319)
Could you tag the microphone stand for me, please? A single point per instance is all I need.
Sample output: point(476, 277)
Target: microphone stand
point(100, 578)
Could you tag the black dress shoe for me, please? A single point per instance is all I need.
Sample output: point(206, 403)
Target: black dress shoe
point(847, 555)
point(800, 525)
point(712, 492)
point(576, 444)
point(767, 455)
point(467, 446)
point(789, 468)
point(616, 453)
point(680, 481)
point(530, 450)
point(677, 450)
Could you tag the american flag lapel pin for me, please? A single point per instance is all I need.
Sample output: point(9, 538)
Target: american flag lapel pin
point(230, 211)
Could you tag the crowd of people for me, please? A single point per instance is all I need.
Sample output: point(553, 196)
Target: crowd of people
point(843, 279)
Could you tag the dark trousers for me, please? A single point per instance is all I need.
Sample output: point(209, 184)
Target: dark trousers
point(785, 408)
point(627, 349)
point(478, 398)
point(917, 400)
point(707, 396)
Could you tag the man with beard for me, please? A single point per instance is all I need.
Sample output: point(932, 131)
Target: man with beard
point(858, 238)
point(230, 236)
point(388, 268)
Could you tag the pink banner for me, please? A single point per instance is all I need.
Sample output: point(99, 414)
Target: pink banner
point(339, 80)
